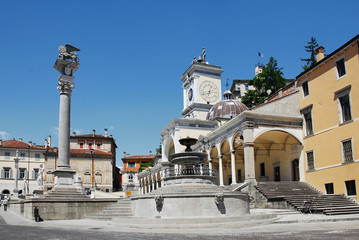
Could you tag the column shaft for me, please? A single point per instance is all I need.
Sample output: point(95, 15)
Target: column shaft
point(233, 167)
point(220, 171)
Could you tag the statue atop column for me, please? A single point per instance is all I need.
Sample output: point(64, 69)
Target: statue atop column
point(68, 60)
point(68, 52)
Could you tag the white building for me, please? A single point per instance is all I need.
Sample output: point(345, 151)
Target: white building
point(31, 158)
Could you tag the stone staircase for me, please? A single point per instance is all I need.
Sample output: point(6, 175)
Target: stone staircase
point(65, 193)
point(296, 193)
point(120, 209)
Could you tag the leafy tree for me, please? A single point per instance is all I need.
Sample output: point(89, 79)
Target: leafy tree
point(268, 81)
point(312, 45)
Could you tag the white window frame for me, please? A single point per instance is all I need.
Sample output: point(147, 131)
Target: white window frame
point(37, 156)
point(342, 149)
point(306, 159)
point(336, 67)
point(303, 95)
point(339, 95)
point(303, 112)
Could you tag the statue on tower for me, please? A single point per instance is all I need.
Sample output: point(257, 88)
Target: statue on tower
point(204, 55)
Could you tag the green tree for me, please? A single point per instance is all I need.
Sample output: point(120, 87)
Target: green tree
point(265, 83)
point(310, 48)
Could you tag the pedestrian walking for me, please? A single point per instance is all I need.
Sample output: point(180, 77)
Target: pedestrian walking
point(5, 202)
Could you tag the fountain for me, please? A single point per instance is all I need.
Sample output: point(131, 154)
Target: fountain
point(189, 189)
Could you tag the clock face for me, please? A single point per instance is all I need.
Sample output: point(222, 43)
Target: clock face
point(209, 91)
point(190, 94)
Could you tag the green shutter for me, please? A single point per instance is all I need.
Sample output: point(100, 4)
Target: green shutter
point(10, 173)
point(2, 173)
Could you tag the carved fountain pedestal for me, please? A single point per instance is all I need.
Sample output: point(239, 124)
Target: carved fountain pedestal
point(190, 189)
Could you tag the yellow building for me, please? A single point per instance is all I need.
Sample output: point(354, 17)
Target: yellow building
point(329, 104)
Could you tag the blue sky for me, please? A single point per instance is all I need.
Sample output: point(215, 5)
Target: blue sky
point(134, 52)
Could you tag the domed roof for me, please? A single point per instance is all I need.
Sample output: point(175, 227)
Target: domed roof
point(228, 108)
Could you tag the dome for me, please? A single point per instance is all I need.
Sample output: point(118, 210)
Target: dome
point(226, 109)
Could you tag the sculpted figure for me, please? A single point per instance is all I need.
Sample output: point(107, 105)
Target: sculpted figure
point(68, 52)
point(40, 177)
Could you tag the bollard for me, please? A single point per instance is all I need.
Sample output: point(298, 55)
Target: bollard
point(36, 214)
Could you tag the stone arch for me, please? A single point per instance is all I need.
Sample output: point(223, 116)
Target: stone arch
point(169, 147)
point(238, 143)
point(274, 152)
point(226, 161)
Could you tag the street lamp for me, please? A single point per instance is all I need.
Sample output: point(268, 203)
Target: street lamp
point(93, 170)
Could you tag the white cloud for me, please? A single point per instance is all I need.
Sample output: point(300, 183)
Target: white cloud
point(4, 135)
point(111, 128)
point(54, 131)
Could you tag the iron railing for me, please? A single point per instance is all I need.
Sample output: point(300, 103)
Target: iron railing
point(190, 171)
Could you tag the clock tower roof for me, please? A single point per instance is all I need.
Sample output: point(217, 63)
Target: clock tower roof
point(199, 67)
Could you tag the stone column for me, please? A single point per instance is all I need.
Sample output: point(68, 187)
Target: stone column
point(220, 158)
point(153, 183)
point(156, 177)
point(233, 167)
point(65, 85)
point(249, 166)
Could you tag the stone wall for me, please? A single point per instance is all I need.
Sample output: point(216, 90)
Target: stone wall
point(51, 209)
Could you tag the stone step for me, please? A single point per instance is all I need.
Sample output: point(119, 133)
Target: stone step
point(122, 208)
point(296, 193)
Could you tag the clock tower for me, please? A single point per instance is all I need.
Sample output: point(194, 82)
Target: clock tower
point(201, 88)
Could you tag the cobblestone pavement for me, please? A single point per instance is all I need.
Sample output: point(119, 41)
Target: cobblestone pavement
point(292, 232)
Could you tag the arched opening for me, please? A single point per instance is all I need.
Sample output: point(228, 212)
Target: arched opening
point(277, 155)
point(226, 162)
point(215, 160)
point(5, 191)
point(239, 156)
point(169, 148)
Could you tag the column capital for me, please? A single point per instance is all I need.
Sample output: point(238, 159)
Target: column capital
point(65, 87)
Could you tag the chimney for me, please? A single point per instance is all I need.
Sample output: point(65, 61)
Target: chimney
point(73, 133)
point(49, 141)
point(0, 142)
point(150, 152)
point(320, 53)
point(20, 139)
point(94, 131)
point(30, 143)
point(105, 132)
point(46, 143)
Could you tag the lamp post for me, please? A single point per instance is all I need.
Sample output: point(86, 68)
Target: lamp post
point(93, 170)
point(16, 159)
